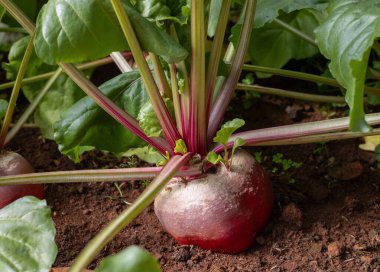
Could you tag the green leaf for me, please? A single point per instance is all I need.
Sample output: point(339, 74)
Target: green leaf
point(215, 7)
point(180, 147)
point(273, 46)
point(86, 124)
point(214, 158)
point(237, 143)
point(160, 11)
point(63, 94)
point(35, 67)
point(146, 153)
point(148, 120)
point(346, 38)
point(132, 259)
point(227, 129)
point(268, 10)
point(3, 108)
point(75, 31)
point(27, 236)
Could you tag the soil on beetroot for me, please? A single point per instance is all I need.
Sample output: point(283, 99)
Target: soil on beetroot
point(326, 215)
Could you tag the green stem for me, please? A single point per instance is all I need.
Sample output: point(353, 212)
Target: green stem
point(216, 52)
point(181, 71)
point(295, 31)
point(19, 15)
point(225, 95)
point(33, 79)
point(144, 200)
point(27, 113)
point(176, 97)
point(13, 29)
point(160, 74)
point(197, 139)
point(319, 138)
point(16, 89)
point(158, 104)
point(103, 175)
point(302, 76)
point(292, 94)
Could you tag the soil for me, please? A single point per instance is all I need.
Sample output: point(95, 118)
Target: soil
point(326, 215)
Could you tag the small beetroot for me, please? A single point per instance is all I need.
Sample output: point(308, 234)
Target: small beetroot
point(12, 163)
point(222, 212)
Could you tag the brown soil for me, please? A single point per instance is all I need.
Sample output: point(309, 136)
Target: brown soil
point(326, 215)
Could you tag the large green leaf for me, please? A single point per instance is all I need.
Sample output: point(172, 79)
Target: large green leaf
point(86, 124)
point(272, 46)
point(346, 38)
point(62, 94)
point(268, 10)
point(132, 259)
point(74, 31)
point(27, 236)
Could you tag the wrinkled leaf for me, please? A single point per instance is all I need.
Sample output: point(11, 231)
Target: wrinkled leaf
point(214, 158)
point(227, 129)
point(180, 147)
point(146, 153)
point(273, 46)
point(3, 108)
point(268, 10)
point(132, 259)
point(75, 31)
point(148, 120)
point(27, 235)
point(159, 11)
point(86, 124)
point(346, 38)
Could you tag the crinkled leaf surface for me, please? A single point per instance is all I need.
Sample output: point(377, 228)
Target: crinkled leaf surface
point(160, 11)
point(27, 235)
point(132, 259)
point(148, 120)
point(86, 124)
point(227, 129)
point(75, 31)
point(273, 46)
point(146, 153)
point(346, 38)
point(268, 10)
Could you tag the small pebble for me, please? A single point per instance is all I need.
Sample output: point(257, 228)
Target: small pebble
point(334, 249)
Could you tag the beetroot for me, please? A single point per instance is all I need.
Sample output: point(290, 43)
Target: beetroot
point(222, 212)
point(13, 164)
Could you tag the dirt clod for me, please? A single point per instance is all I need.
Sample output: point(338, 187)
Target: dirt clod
point(292, 214)
point(335, 249)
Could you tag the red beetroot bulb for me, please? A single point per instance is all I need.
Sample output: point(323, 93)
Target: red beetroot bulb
point(223, 211)
point(12, 163)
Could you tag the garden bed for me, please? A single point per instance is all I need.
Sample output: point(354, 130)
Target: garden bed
point(326, 214)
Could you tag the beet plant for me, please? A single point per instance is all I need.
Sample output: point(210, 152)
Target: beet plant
point(208, 191)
